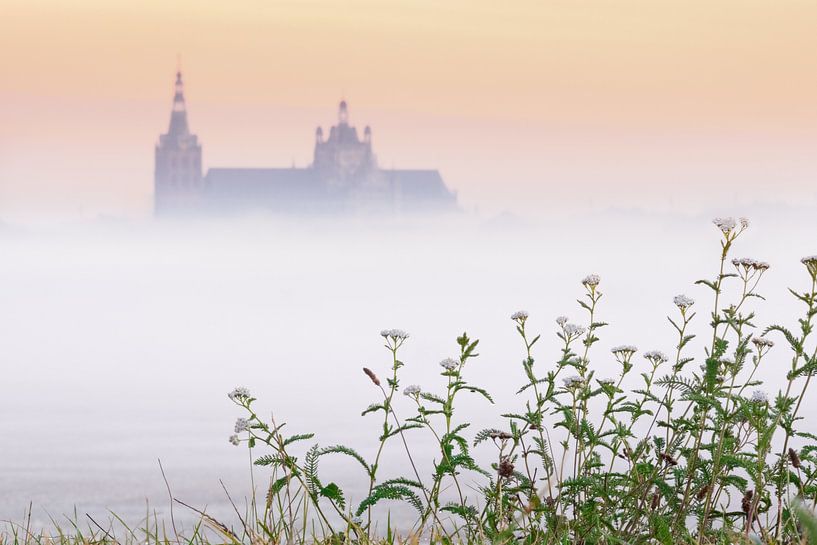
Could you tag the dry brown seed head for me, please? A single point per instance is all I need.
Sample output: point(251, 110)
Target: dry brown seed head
point(794, 458)
point(505, 468)
point(746, 502)
point(371, 375)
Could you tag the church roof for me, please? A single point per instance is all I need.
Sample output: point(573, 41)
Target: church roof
point(304, 189)
point(278, 189)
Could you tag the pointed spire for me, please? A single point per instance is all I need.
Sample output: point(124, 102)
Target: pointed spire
point(343, 113)
point(178, 117)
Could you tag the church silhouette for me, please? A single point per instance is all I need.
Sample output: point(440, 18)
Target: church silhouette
point(344, 178)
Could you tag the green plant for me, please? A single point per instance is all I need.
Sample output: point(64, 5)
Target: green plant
point(694, 454)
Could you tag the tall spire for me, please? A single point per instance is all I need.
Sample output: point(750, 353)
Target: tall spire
point(177, 176)
point(178, 117)
point(343, 113)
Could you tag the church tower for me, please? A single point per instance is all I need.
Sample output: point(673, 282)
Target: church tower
point(177, 177)
point(343, 158)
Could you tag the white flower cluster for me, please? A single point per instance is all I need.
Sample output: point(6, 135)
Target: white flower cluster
point(574, 330)
point(394, 334)
point(810, 262)
point(656, 357)
point(449, 364)
point(591, 280)
point(762, 342)
point(624, 350)
point(242, 424)
point(519, 316)
point(239, 393)
point(607, 381)
point(573, 381)
point(727, 225)
point(412, 391)
point(749, 264)
point(561, 320)
point(234, 440)
point(759, 396)
point(683, 302)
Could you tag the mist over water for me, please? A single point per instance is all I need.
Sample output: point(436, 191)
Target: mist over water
point(120, 341)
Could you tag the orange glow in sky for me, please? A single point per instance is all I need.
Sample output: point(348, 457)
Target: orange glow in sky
point(519, 104)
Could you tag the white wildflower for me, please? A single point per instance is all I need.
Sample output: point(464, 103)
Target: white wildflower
point(519, 316)
point(561, 320)
point(656, 356)
point(811, 264)
point(573, 381)
point(234, 440)
point(394, 334)
point(413, 390)
point(449, 364)
point(747, 263)
point(744, 222)
point(574, 330)
point(591, 280)
point(726, 225)
point(607, 381)
point(683, 302)
point(743, 261)
point(762, 342)
point(239, 393)
point(624, 350)
point(242, 424)
point(759, 396)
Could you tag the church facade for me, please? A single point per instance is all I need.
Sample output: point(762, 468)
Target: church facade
point(344, 178)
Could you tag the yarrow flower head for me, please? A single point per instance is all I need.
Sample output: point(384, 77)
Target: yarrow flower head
point(234, 440)
point(683, 302)
point(561, 320)
point(574, 330)
point(759, 396)
point(519, 316)
point(762, 342)
point(748, 264)
point(591, 280)
point(726, 225)
point(412, 391)
point(573, 381)
point(624, 351)
point(394, 334)
point(449, 364)
point(239, 394)
point(811, 264)
point(242, 424)
point(656, 357)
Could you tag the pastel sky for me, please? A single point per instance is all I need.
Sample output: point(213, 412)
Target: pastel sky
point(523, 106)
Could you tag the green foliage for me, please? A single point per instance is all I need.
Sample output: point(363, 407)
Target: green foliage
point(390, 491)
